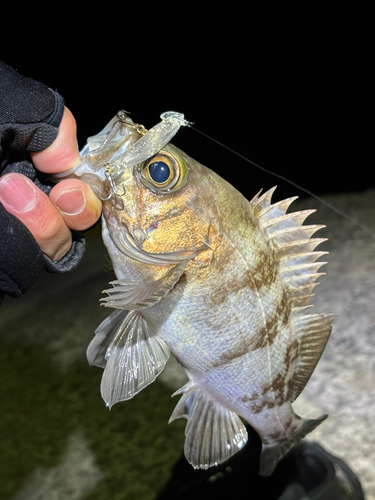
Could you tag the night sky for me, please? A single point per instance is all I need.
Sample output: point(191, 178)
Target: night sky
point(291, 90)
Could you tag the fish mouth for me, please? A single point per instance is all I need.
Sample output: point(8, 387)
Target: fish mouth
point(117, 137)
point(108, 157)
point(128, 245)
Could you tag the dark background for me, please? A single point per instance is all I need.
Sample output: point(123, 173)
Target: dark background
point(290, 88)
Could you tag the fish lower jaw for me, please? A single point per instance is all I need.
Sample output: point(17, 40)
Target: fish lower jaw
point(138, 234)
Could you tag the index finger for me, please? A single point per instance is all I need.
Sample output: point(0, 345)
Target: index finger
point(63, 153)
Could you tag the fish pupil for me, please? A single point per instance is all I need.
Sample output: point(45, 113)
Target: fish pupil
point(159, 171)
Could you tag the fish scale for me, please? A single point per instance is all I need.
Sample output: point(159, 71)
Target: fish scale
point(221, 282)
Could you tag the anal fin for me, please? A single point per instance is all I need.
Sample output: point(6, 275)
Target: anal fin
point(213, 433)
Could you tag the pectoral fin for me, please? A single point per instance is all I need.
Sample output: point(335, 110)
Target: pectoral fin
point(103, 336)
point(213, 433)
point(129, 294)
point(134, 358)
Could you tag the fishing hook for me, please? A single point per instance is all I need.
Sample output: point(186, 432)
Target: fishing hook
point(124, 118)
point(112, 186)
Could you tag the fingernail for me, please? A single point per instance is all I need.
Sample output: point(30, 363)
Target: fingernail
point(18, 192)
point(71, 201)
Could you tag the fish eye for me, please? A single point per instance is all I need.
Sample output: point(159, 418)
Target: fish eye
point(159, 171)
point(165, 172)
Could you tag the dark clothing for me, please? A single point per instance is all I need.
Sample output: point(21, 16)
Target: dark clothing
point(30, 116)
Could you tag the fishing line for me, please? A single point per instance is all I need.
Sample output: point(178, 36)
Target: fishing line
point(307, 191)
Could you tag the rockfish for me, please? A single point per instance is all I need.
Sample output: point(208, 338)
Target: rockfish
point(221, 282)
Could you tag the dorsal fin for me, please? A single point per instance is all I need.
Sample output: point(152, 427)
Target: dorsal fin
point(291, 241)
point(294, 250)
point(312, 333)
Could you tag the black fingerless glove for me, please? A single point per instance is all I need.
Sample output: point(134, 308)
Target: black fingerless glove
point(30, 116)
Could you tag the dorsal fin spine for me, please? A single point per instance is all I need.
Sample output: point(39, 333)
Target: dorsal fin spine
point(295, 252)
point(294, 219)
point(299, 258)
point(265, 199)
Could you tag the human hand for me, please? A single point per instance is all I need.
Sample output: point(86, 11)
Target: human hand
point(71, 204)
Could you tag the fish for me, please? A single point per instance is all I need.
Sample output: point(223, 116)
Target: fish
point(221, 282)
